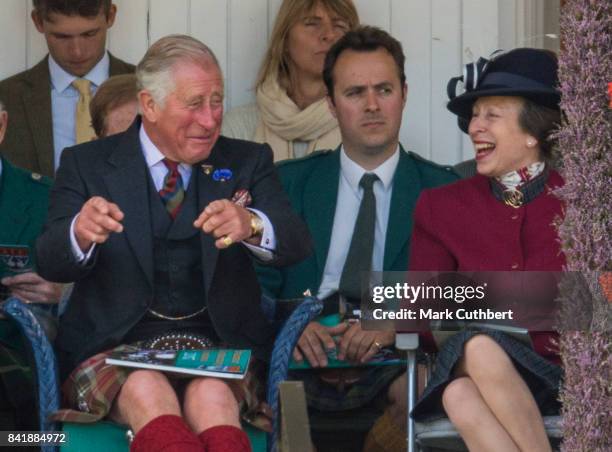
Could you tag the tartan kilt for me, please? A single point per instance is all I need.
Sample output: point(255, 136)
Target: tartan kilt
point(91, 388)
point(542, 377)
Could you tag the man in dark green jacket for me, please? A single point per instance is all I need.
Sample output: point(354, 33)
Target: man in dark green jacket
point(23, 208)
point(357, 201)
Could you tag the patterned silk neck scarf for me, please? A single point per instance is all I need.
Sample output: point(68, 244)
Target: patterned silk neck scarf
point(172, 193)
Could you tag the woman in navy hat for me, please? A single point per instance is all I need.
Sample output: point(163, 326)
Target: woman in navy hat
point(493, 387)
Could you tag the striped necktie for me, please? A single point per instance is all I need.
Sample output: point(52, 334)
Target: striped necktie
point(172, 193)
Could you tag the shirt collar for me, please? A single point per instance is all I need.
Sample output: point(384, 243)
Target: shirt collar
point(152, 154)
point(353, 172)
point(62, 79)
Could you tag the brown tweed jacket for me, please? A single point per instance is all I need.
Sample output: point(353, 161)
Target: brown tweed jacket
point(27, 99)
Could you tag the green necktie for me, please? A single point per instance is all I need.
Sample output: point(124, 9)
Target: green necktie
point(359, 257)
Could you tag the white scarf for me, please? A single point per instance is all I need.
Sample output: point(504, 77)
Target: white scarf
point(281, 122)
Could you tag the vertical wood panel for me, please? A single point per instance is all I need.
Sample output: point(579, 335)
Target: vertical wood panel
point(507, 23)
point(273, 7)
point(209, 24)
point(376, 13)
point(168, 17)
point(128, 36)
point(411, 25)
point(247, 43)
point(36, 46)
point(13, 34)
point(480, 38)
point(445, 59)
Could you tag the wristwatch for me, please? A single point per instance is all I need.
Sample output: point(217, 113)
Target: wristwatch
point(257, 225)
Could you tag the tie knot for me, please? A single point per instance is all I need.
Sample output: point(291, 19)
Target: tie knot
point(170, 164)
point(82, 85)
point(367, 180)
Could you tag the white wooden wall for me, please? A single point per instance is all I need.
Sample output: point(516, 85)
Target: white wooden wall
point(438, 36)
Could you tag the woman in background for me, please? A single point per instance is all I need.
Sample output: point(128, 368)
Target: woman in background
point(291, 113)
point(493, 387)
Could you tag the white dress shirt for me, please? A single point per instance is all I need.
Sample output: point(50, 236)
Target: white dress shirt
point(347, 208)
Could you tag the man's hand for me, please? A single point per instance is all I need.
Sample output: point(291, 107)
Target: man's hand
point(358, 345)
point(97, 219)
point(225, 221)
point(31, 288)
point(316, 340)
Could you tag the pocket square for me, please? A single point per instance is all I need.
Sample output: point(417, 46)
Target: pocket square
point(242, 198)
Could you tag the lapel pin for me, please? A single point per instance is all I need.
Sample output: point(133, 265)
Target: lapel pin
point(207, 169)
point(222, 174)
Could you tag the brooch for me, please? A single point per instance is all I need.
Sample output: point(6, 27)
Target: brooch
point(513, 198)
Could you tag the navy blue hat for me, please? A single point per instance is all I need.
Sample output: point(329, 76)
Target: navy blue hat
point(524, 72)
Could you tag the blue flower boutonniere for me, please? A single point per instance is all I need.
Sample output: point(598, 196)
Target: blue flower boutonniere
point(222, 174)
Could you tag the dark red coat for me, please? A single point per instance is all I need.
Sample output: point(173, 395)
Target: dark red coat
point(463, 227)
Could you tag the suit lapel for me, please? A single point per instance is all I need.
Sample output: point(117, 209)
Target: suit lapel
point(126, 182)
point(37, 106)
point(208, 191)
point(406, 190)
point(320, 196)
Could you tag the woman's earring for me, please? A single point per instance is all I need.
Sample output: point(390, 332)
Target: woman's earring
point(531, 142)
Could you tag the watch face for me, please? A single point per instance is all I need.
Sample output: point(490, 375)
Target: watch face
point(256, 225)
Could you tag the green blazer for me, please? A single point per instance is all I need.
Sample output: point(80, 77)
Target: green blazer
point(24, 198)
point(312, 185)
point(27, 99)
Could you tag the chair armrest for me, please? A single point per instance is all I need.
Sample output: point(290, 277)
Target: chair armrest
point(44, 366)
point(409, 342)
point(284, 344)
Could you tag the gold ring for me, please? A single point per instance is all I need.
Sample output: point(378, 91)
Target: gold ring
point(227, 240)
point(377, 344)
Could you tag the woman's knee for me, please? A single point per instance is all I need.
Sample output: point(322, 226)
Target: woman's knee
point(483, 355)
point(460, 401)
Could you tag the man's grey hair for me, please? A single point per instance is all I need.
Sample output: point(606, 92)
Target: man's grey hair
point(154, 73)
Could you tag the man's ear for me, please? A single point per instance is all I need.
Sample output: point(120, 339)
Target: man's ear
point(112, 13)
point(405, 93)
point(38, 21)
point(3, 124)
point(149, 109)
point(331, 105)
